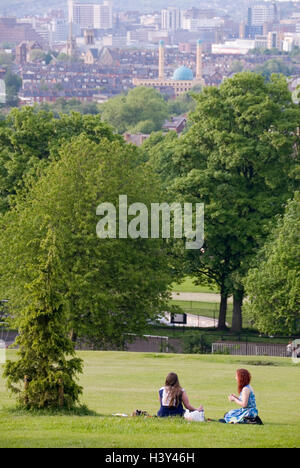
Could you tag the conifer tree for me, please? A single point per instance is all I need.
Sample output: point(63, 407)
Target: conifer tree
point(44, 344)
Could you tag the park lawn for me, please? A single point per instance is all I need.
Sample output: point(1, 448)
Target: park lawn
point(188, 286)
point(122, 382)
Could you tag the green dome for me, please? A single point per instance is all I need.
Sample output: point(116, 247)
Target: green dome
point(183, 74)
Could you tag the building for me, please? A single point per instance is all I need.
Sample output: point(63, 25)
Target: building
point(91, 15)
point(171, 19)
point(24, 49)
point(59, 29)
point(13, 32)
point(258, 15)
point(238, 47)
point(260, 19)
point(137, 37)
point(176, 124)
point(183, 79)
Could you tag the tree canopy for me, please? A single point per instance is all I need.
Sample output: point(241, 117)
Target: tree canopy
point(273, 284)
point(239, 157)
point(112, 286)
point(142, 107)
point(29, 140)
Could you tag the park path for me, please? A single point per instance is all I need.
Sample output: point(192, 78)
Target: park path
point(197, 297)
point(197, 321)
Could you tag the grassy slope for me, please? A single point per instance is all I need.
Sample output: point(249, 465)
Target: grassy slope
point(121, 382)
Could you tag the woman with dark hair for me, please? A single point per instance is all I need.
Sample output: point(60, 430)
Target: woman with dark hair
point(173, 397)
point(246, 401)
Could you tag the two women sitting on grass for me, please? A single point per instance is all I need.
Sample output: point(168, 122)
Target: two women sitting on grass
point(173, 399)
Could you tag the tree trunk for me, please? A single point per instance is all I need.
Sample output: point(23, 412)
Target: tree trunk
point(223, 311)
point(73, 336)
point(237, 311)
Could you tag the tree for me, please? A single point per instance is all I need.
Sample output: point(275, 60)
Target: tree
point(29, 139)
point(13, 85)
point(139, 105)
point(239, 158)
point(273, 66)
point(273, 284)
point(111, 286)
point(47, 363)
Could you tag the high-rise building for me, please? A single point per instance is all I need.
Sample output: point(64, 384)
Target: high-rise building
point(171, 19)
point(97, 15)
point(260, 14)
point(58, 30)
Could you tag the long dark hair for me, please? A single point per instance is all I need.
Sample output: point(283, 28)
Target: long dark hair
point(174, 389)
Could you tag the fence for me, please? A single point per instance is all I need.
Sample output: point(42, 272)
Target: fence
point(204, 343)
point(250, 349)
point(154, 344)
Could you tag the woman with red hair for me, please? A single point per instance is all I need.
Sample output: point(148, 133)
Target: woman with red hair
point(246, 400)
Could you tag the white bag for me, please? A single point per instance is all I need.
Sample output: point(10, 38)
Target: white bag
point(197, 416)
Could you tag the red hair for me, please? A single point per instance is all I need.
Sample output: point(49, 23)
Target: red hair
point(244, 378)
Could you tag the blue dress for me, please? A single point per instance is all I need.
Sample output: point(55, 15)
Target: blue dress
point(237, 415)
point(166, 410)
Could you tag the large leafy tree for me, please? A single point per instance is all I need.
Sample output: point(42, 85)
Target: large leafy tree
point(30, 139)
point(273, 285)
point(111, 287)
point(141, 110)
point(239, 157)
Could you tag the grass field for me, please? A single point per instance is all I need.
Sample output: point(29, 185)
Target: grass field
point(122, 382)
point(188, 286)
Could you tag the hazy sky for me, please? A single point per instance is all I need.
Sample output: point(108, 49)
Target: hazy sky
point(236, 8)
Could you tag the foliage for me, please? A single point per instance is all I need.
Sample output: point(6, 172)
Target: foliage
point(141, 104)
point(182, 104)
point(194, 343)
point(5, 59)
point(13, 84)
point(261, 51)
point(273, 66)
point(30, 139)
point(43, 341)
point(112, 286)
point(63, 106)
point(273, 285)
point(239, 158)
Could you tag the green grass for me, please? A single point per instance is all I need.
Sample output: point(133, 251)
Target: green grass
point(122, 382)
point(188, 286)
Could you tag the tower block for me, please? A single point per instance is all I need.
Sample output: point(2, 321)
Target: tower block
point(161, 72)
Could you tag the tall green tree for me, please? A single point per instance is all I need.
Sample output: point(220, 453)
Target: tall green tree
point(239, 158)
point(273, 284)
point(111, 286)
point(43, 376)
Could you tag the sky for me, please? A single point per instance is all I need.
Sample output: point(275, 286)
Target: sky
point(31, 7)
